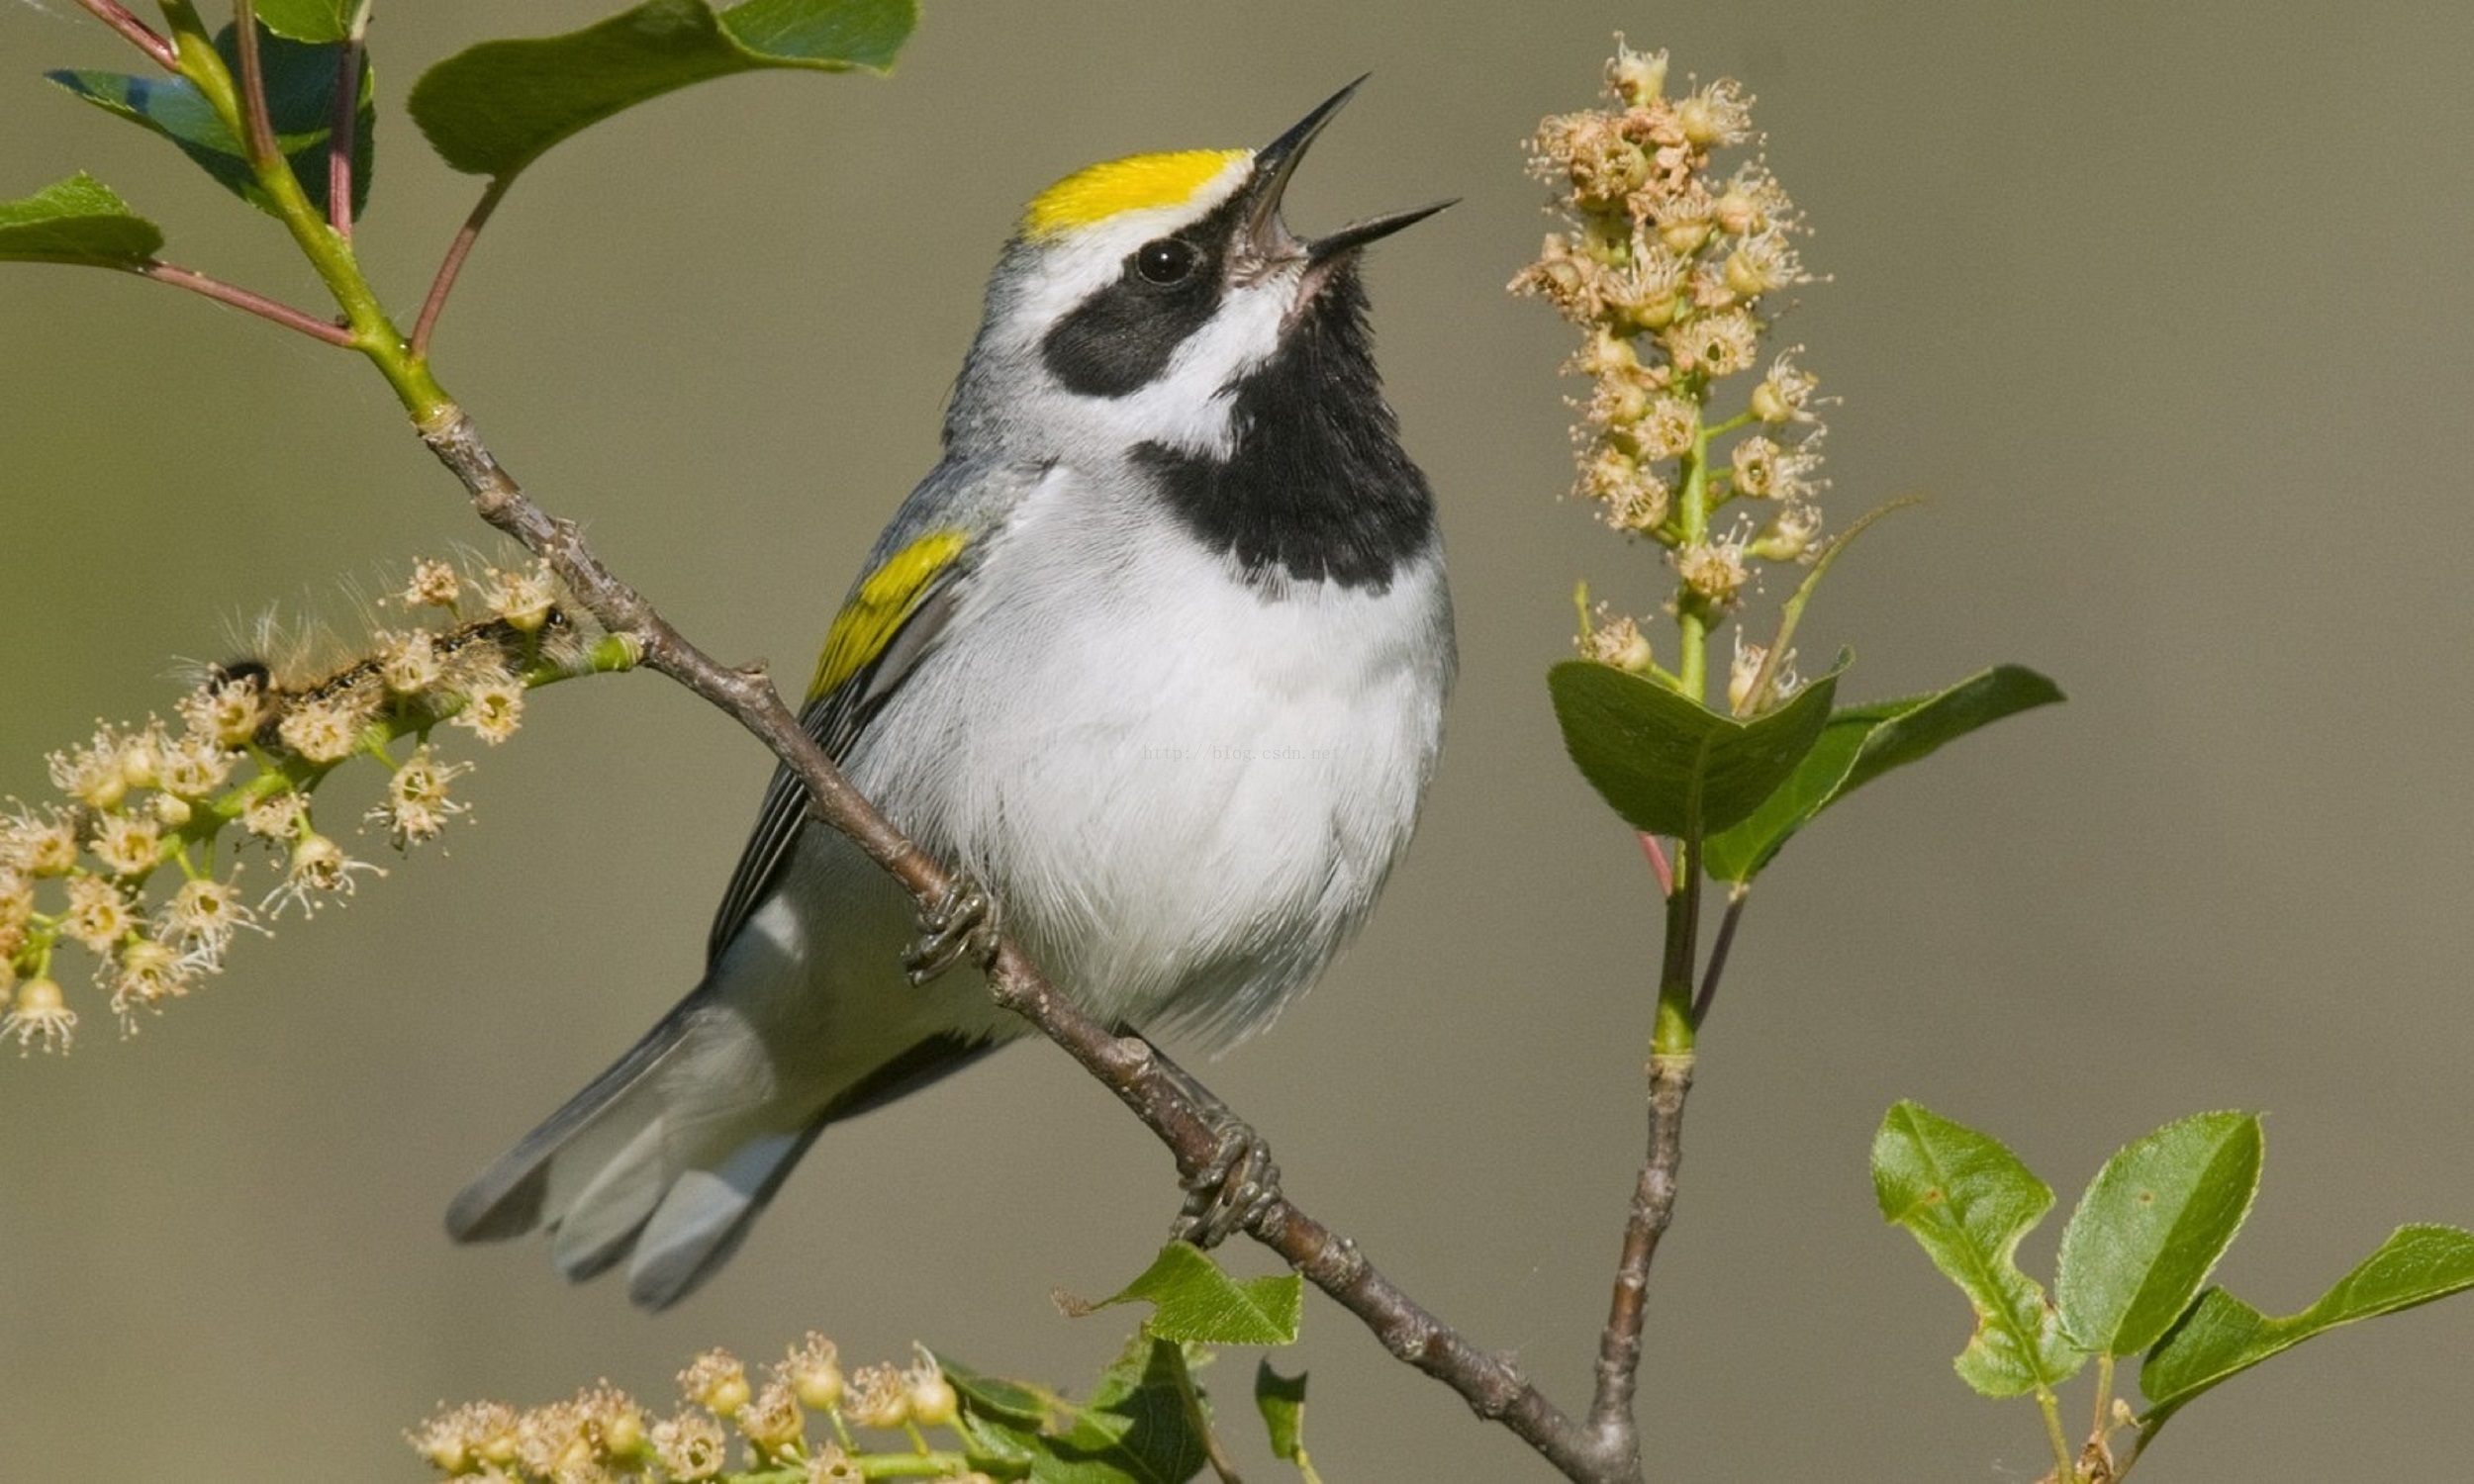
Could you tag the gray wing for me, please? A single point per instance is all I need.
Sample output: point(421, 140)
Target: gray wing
point(956, 498)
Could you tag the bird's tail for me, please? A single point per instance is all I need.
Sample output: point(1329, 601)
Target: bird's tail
point(664, 1160)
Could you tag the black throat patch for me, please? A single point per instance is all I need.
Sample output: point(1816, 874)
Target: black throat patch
point(1316, 486)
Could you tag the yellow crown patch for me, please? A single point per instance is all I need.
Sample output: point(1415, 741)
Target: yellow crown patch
point(1134, 183)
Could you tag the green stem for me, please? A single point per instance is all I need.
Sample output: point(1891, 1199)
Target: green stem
point(1693, 506)
point(1673, 1034)
point(330, 253)
point(1200, 1421)
point(2065, 1467)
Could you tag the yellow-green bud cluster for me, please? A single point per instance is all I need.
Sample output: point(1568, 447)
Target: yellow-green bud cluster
point(136, 861)
point(604, 1435)
point(1670, 262)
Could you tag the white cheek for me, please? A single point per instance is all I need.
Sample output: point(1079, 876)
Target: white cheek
point(1187, 407)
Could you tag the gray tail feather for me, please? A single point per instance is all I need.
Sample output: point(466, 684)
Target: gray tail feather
point(508, 1198)
point(603, 1174)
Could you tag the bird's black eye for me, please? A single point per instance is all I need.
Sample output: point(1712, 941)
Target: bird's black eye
point(1166, 261)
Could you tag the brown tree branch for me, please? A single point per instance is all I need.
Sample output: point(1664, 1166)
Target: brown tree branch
point(1653, 1210)
point(1125, 1064)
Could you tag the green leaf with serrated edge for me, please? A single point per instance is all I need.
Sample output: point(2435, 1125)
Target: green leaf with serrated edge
point(308, 20)
point(1671, 766)
point(300, 106)
point(494, 108)
point(1967, 1200)
point(2152, 1227)
point(1281, 1401)
point(1194, 1300)
point(2220, 1335)
point(76, 220)
point(1135, 1427)
point(1859, 745)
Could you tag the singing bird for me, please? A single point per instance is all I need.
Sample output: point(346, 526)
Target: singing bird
point(1155, 657)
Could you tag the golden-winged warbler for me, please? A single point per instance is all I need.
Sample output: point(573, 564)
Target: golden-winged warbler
point(1156, 656)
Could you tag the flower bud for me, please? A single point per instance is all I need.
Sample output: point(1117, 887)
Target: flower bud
point(1638, 77)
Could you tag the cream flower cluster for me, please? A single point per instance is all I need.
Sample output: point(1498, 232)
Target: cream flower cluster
point(1670, 266)
point(603, 1435)
point(137, 859)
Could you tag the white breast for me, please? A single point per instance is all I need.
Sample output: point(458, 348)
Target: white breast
point(1183, 791)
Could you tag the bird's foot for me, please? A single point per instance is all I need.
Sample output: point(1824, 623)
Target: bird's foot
point(1226, 1195)
point(962, 925)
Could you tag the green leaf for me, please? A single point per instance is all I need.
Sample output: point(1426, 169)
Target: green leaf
point(2152, 1227)
point(994, 1394)
point(1136, 1426)
point(1968, 1200)
point(1281, 1401)
point(1671, 766)
point(308, 20)
point(496, 108)
point(2222, 1335)
point(300, 104)
point(1194, 1300)
point(1861, 743)
point(76, 220)
point(1136, 1429)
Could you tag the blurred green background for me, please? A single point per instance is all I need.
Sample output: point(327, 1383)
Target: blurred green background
point(2163, 305)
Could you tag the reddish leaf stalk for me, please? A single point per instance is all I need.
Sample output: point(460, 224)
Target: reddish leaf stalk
point(342, 124)
point(134, 30)
point(453, 265)
point(1737, 896)
point(239, 298)
point(262, 132)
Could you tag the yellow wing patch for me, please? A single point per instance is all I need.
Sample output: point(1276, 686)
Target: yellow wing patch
point(883, 604)
point(1134, 183)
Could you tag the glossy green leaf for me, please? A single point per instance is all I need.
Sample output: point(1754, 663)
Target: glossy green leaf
point(2152, 1227)
point(1136, 1428)
point(76, 220)
point(2222, 1335)
point(308, 20)
point(1194, 1300)
point(496, 108)
point(300, 104)
point(1281, 1401)
point(1671, 766)
point(1861, 743)
point(1967, 1200)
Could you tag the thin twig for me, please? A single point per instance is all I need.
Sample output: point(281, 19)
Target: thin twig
point(262, 132)
point(1737, 896)
point(342, 122)
point(1653, 1211)
point(453, 263)
point(1611, 1422)
point(135, 32)
point(1125, 1064)
point(239, 298)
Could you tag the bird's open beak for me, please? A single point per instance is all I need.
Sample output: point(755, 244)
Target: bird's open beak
point(1268, 236)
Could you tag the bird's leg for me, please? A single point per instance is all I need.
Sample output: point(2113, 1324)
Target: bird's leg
point(962, 925)
point(1238, 1183)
